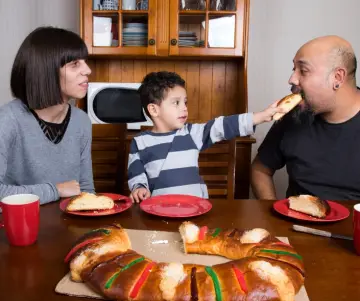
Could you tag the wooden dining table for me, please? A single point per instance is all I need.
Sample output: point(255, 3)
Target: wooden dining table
point(31, 273)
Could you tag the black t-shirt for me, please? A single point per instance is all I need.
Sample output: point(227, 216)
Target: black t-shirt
point(321, 159)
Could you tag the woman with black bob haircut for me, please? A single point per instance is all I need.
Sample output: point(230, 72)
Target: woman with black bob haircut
point(45, 143)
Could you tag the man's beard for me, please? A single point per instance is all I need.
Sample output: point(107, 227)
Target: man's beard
point(302, 113)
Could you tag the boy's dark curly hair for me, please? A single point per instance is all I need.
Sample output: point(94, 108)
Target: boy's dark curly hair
point(155, 86)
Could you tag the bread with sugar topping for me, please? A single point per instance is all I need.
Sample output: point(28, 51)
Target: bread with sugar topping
point(310, 205)
point(90, 201)
point(262, 267)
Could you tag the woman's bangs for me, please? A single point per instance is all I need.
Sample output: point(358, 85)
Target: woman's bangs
point(75, 52)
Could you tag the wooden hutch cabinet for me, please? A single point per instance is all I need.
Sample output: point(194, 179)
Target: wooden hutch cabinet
point(171, 28)
point(205, 42)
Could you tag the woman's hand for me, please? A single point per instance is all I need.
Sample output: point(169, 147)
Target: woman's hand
point(68, 189)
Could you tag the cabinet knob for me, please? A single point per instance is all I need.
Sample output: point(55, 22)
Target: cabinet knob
point(152, 42)
point(173, 42)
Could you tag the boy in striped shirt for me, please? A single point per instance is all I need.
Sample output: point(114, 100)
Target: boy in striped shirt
point(165, 159)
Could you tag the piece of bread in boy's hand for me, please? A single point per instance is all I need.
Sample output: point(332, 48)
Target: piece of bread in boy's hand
point(287, 104)
point(90, 201)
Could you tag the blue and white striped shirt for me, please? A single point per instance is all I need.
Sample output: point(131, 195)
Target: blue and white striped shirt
point(167, 163)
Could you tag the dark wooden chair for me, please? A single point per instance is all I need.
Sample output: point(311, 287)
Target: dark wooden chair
point(108, 157)
point(217, 167)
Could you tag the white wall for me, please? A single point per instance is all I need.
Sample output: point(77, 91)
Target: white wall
point(277, 29)
point(60, 13)
point(18, 18)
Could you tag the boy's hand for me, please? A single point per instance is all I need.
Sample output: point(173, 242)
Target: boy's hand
point(267, 114)
point(139, 194)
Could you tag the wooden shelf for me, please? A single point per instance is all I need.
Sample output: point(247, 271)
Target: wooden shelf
point(192, 12)
point(207, 12)
point(134, 12)
point(105, 12)
point(101, 47)
point(192, 19)
point(222, 13)
point(223, 52)
point(125, 50)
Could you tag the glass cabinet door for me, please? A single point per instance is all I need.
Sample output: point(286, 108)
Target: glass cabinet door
point(120, 26)
point(207, 27)
point(222, 5)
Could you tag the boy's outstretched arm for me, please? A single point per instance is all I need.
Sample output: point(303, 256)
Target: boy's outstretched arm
point(267, 114)
point(229, 127)
point(137, 179)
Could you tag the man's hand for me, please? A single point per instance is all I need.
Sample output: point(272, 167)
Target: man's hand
point(139, 195)
point(68, 189)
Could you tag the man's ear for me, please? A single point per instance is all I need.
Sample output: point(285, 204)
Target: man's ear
point(153, 110)
point(340, 77)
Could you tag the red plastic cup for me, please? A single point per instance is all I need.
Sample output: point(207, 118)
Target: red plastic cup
point(21, 218)
point(356, 223)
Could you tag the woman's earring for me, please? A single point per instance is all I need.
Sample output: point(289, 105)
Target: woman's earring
point(337, 86)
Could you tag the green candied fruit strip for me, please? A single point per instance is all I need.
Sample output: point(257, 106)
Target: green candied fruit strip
point(216, 282)
point(216, 233)
point(281, 253)
point(105, 231)
point(113, 277)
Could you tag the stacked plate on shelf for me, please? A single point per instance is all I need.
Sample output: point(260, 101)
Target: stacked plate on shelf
point(190, 39)
point(135, 34)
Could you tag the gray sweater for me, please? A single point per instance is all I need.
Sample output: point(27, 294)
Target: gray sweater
point(31, 163)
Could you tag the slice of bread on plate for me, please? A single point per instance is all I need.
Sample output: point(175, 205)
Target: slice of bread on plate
point(90, 201)
point(310, 205)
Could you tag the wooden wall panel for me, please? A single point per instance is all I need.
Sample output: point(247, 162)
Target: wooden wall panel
point(218, 89)
point(92, 65)
point(153, 66)
point(101, 72)
point(205, 90)
point(140, 70)
point(213, 86)
point(167, 66)
point(232, 97)
point(181, 69)
point(115, 71)
point(242, 82)
point(127, 72)
point(192, 87)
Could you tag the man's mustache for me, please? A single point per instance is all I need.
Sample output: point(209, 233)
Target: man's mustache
point(295, 89)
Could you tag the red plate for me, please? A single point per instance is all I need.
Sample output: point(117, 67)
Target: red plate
point(338, 212)
point(121, 204)
point(176, 205)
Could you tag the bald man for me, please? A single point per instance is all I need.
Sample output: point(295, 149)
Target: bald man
point(319, 141)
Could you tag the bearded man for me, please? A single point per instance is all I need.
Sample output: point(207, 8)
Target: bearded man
point(319, 141)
